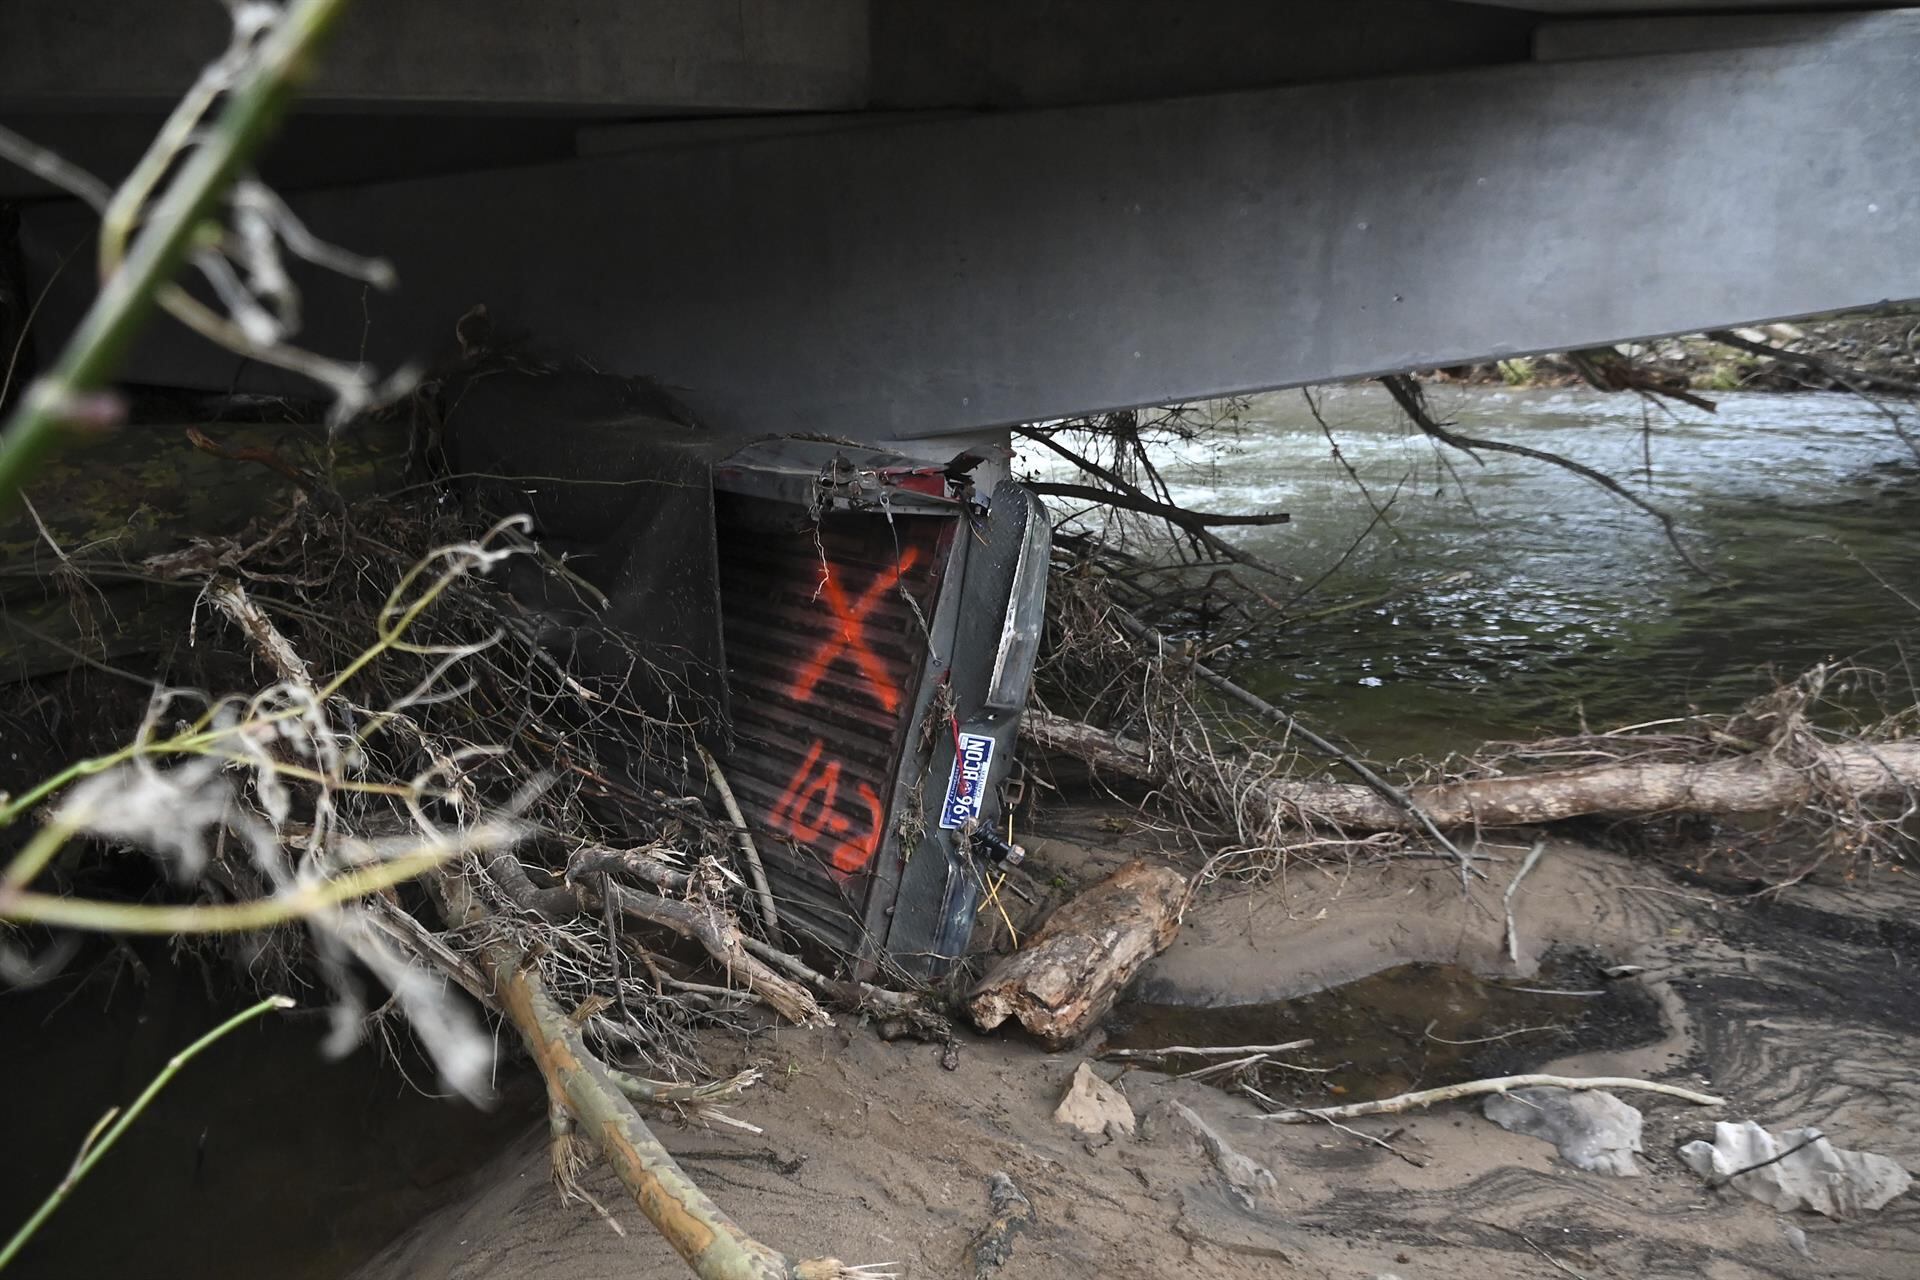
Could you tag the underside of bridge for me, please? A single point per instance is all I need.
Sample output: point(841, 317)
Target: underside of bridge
point(892, 219)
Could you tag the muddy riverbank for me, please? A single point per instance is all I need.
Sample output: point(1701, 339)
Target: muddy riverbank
point(875, 1152)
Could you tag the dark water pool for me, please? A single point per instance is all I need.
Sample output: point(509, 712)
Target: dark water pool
point(261, 1158)
point(1414, 1026)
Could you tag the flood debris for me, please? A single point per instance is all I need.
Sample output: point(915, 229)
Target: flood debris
point(1012, 1214)
point(1747, 783)
point(1423, 1098)
point(1208, 1051)
point(1513, 931)
point(1592, 1130)
point(1071, 972)
point(1093, 1106)
point(1796, 1169)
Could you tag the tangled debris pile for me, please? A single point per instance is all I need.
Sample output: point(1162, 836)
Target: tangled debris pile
point(1151, 716)
point(445, 803)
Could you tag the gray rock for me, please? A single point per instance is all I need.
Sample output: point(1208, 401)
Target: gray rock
point(1592, 1129)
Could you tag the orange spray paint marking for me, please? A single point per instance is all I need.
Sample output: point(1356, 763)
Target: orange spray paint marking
point(808, 809)
point(850, 637)
point(853, 855)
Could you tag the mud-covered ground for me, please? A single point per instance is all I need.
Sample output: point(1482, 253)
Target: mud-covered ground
point(1798, 1010)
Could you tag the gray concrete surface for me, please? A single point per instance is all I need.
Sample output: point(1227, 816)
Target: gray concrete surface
point(927, 277)
point(602, 55)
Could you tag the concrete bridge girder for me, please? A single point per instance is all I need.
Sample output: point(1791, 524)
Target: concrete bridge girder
point(934, 275)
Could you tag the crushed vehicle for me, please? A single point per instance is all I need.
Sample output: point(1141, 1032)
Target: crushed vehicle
point(850, 631)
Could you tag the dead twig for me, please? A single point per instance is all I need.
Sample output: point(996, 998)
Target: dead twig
point(742, 833)
point(1228, 1067)
point(1128, 497)
point(1413, 401)
point(1526, 1240)
point(722, 939)
point(1504, 1035)
point(1207, 1051)
point(1423, 1098)
point(1718, 1183)
point(1266, 710)
point(1513, 936)
point(1369, 1138)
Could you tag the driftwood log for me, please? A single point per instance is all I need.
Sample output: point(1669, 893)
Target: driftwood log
point(1750, 784)
point(599, 1103)
point(1072, 970)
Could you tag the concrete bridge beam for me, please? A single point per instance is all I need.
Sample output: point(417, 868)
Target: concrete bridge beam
point(921, 277)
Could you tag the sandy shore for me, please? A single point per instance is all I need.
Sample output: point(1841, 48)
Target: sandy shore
point(1798, 1011)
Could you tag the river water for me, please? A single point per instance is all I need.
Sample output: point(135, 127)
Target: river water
point(1511, 597)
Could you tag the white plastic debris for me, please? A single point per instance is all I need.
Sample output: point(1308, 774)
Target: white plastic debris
point(1593, 1129)
point(1807, 1171)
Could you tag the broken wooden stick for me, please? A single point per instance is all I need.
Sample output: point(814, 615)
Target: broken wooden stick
point(743, 836)
point(1475, 1088)
point(1208, 1050)
point(1747, 784)
point(716, 931)
point(601, 1111)
point(1253, 702)
point(1071, 972)
point(1513, 932)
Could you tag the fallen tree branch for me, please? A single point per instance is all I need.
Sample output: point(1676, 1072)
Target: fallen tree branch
point(1852, 379)
point(1267, 711)
point(744, 836)
point(1148, 506)
point(1129, 497)
point(853, 996)
point(1413, 401)
point(1606, 369)
point(1747, 784)
point(1513, 933)
point(1423, 1098)
point(700, 922)
point(722, 939)
point(697, 1228)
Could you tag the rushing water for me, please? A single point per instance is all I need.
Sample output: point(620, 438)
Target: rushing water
point(1510, 596)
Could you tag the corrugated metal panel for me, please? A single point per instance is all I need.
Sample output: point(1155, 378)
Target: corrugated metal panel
point(824, 655)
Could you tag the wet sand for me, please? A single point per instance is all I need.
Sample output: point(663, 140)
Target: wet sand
point(1797, 1011)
